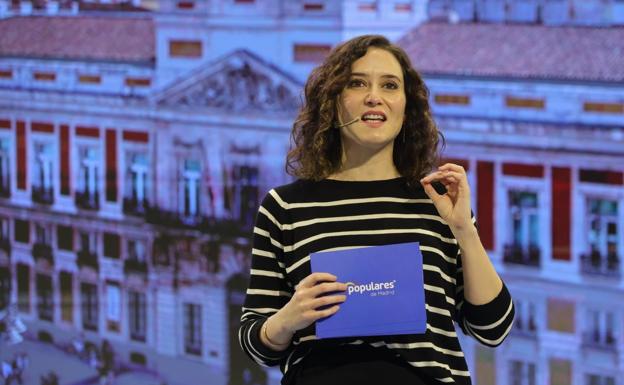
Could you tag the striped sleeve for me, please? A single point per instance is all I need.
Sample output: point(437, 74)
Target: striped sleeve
point(488, 323)
point(268, 289)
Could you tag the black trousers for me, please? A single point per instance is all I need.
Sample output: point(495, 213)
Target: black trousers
point(356, 365)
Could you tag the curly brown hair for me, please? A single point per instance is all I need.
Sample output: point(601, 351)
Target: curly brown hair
point(317, 149)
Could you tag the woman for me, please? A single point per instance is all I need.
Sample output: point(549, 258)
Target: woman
point(365, 146)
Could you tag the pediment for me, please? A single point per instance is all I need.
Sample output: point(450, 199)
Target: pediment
point(238, 82)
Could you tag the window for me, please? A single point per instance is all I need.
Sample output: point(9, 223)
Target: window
point(561, 314)
point(137, 315)
point(560, 371)
point(5, 287)
point(525, 317)
point(5, 168)
point(42, 234)
point(602, 232)
point(87, 242)
point(23, 288)
point(45, 305)
point(313, 6)
point(65, 237)
point(310, 53)
point(90, 79)
point(186, 4)
point(138, 82)
point(22, 231)
point(89, 301)
point(67, 293)
point(192, 329)
point(42, 185)
point(44, 76)
point(136, 250)
point(87, 195)
point(523, 238)
point(521, 373)
point(604, 108)
point(136, 183)
point(367, 6)
point(403, 7)
point(113, 306)
point(111, 245)
point(185, 48)
point(246, 193)
point(4, 230)
point(599, 328)
point(515, 102)
point(452, 99)
point(189, 188)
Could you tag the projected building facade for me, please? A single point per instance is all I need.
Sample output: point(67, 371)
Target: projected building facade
point(134, 146)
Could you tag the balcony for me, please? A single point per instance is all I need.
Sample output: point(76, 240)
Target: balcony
point(135, 266)
point(593, 340)
point(598, 265)
point(87, 259)
point(87, 201)
point(515, 254)
point(42, 195)
point(133, 206)
point(43, 251)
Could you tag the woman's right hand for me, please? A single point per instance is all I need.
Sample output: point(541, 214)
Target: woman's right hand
point(303, 308)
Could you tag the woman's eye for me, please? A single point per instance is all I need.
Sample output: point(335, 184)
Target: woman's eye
point(355, 83)
point(391, 85)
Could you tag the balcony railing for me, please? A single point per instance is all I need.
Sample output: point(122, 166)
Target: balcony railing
point(133, 206)
point(43, 251)
point(87, 201)
point(516, 254)
point(596, 264)
point(87, 258)
point(594, 340)
point(133, 265)
point(42, 195)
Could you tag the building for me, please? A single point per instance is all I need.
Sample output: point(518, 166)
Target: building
point(135, 145)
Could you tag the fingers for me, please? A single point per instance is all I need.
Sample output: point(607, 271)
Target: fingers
point(327, 312)
point(327, 287)
point(327, 300)
point(452, 167)
point(443, 175)
point(314, 278)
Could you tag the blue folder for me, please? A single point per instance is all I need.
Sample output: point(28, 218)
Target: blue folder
point(386, 293)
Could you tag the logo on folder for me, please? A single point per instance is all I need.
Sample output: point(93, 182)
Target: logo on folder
point(385, 291)
point(379, 288)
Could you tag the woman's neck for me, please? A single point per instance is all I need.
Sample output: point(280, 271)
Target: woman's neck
point(365, 167)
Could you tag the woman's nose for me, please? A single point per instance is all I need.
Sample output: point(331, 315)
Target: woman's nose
point(372, 99)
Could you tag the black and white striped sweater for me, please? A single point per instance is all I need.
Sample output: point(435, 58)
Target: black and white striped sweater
point(304, 217)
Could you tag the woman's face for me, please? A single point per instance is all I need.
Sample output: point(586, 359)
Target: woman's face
point(375, 94)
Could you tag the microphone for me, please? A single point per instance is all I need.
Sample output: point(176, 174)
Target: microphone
point(347, 123)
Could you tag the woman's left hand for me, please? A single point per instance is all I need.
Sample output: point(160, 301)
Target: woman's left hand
point(454, 206)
